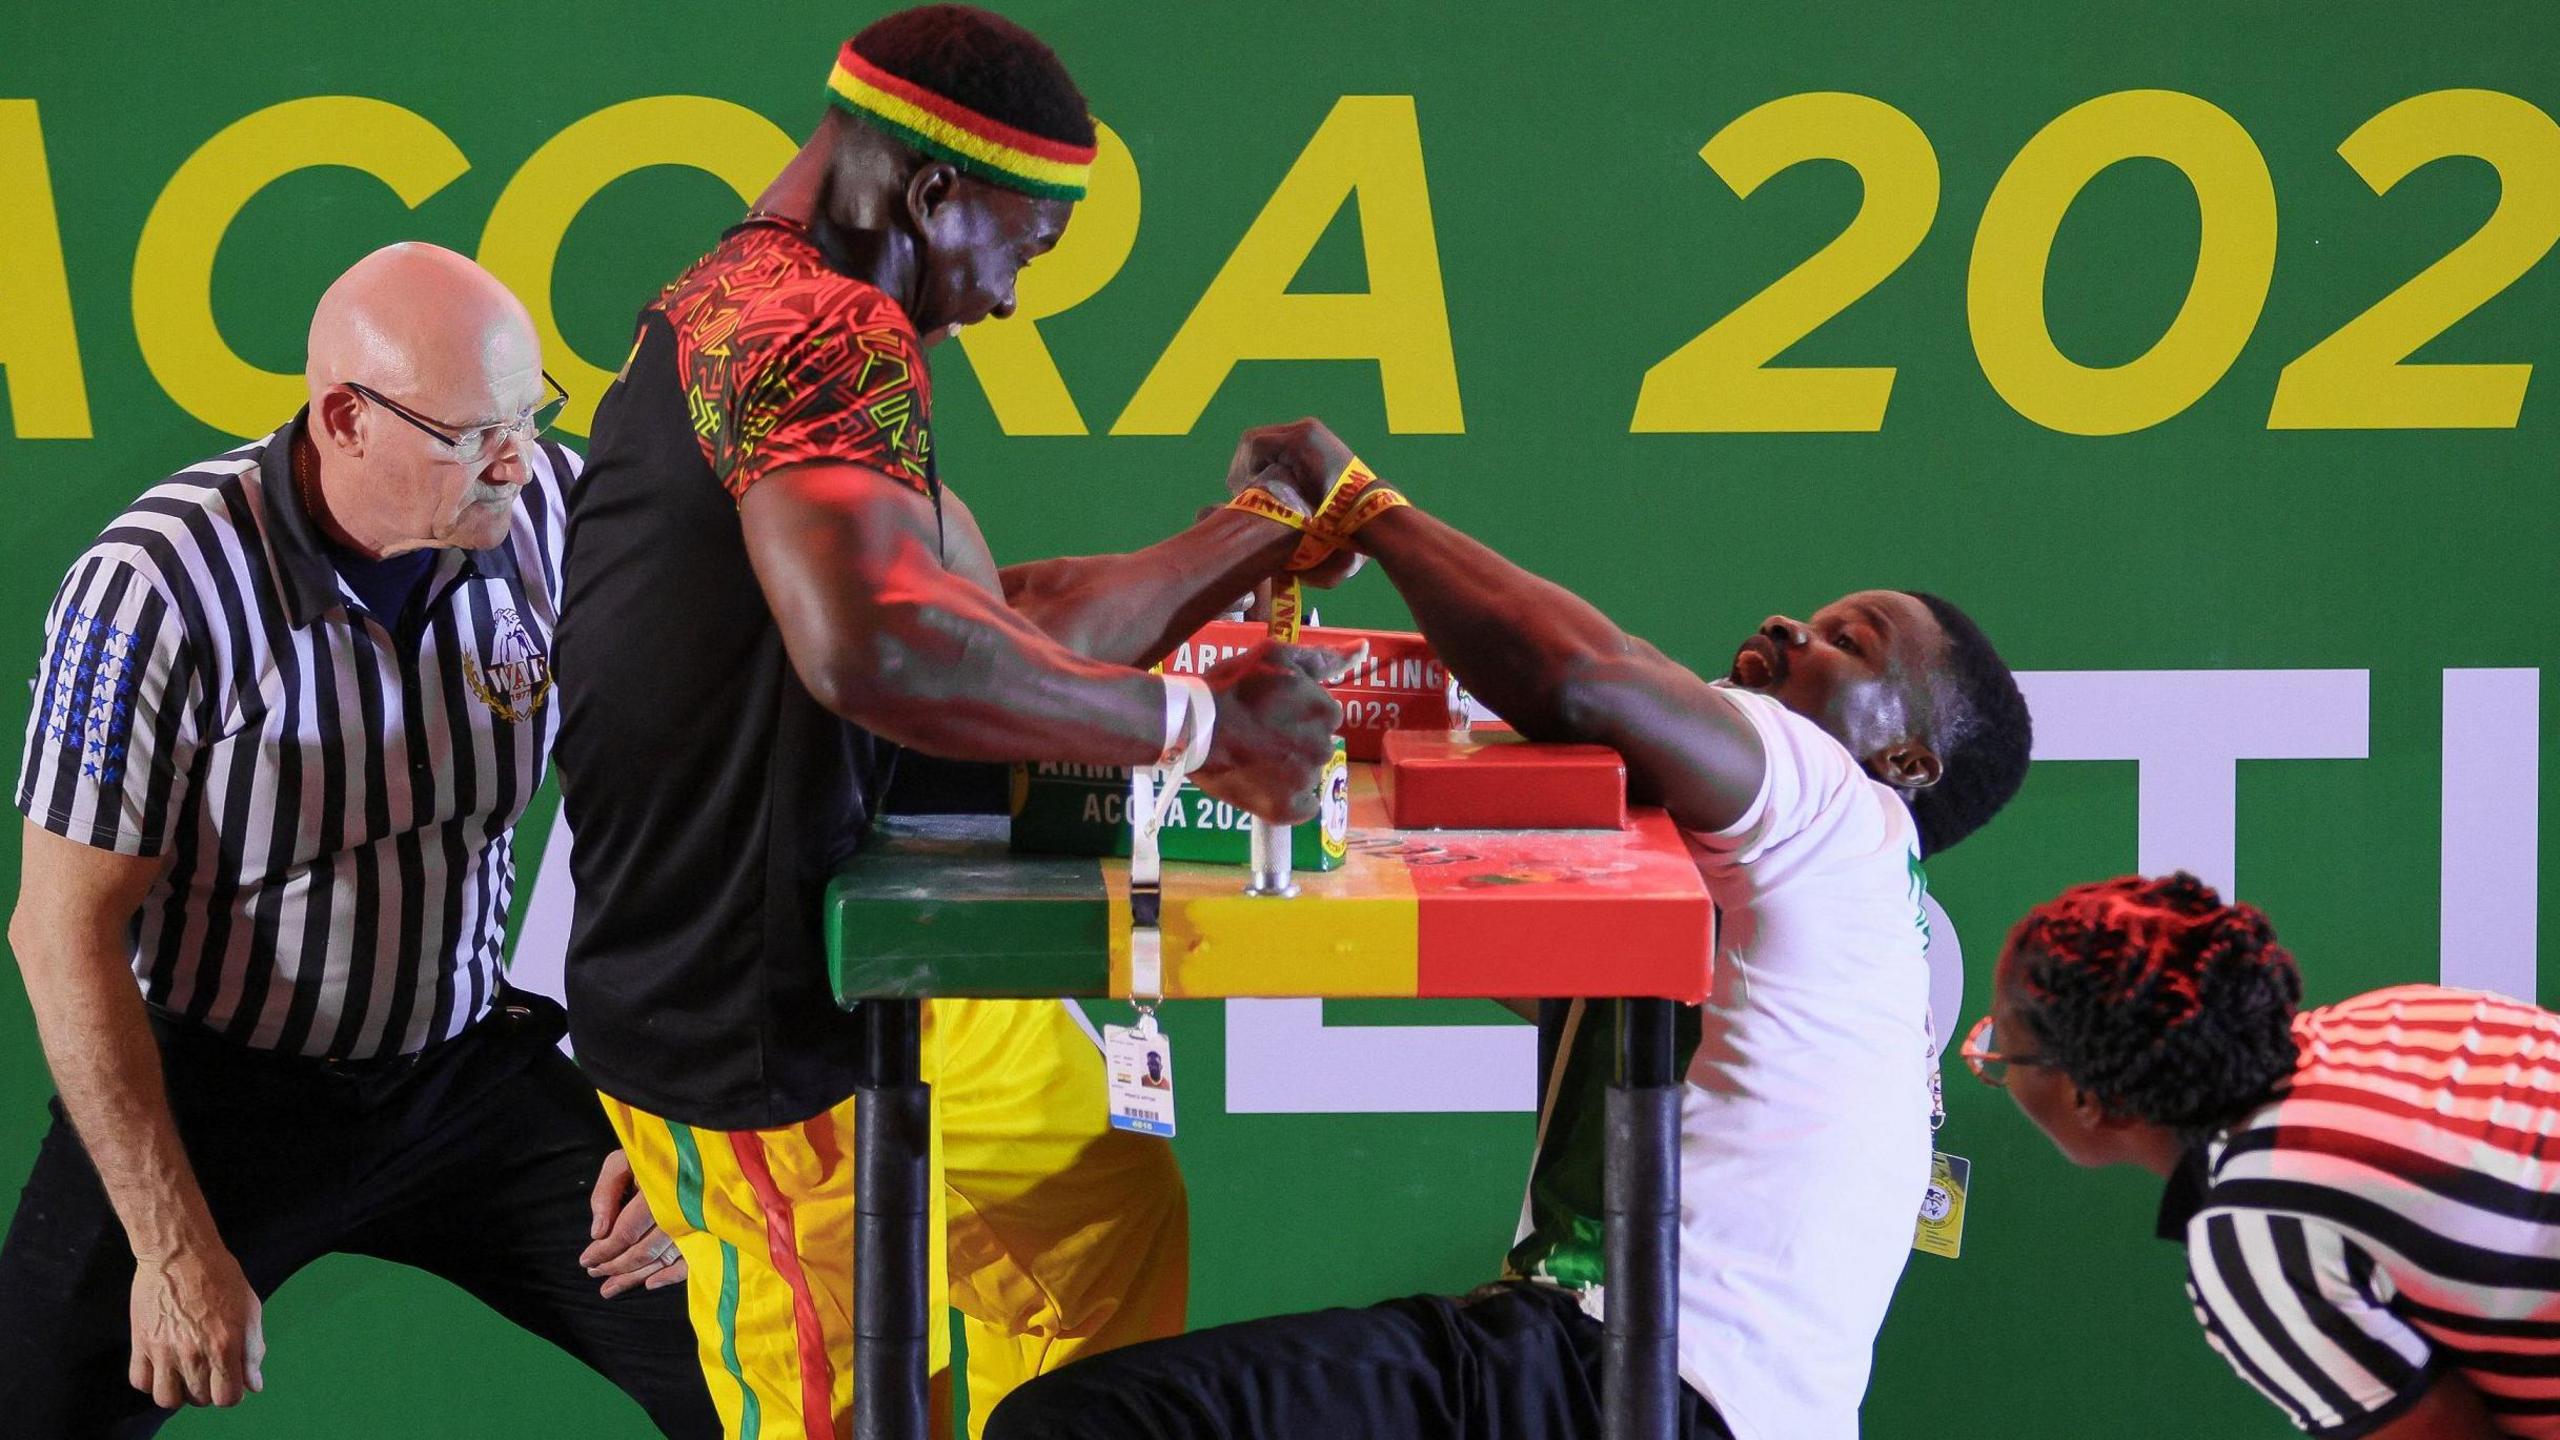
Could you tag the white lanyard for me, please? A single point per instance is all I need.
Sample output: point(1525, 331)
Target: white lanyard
point(1153, 792)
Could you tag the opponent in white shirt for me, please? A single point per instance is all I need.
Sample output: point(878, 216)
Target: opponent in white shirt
point(1805, 1121)
point(1838, 751)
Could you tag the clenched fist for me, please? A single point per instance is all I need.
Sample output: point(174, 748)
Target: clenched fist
point(1275, 729)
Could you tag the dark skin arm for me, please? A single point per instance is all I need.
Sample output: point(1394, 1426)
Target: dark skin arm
point(1133, 609)
point(927, 654)
point(1553, 666)
point(888, 637)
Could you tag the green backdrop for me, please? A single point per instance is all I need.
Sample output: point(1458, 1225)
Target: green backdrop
point(1535, 232)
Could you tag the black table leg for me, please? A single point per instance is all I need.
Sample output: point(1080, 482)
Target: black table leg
point(1639, 1361)
point(892, 1117)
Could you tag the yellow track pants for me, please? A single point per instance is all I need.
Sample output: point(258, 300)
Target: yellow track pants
point(1064, 1236)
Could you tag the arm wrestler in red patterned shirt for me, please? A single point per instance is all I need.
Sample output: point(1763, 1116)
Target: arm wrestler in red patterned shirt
point(769, 593)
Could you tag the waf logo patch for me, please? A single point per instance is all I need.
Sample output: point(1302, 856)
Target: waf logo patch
point(514, 677)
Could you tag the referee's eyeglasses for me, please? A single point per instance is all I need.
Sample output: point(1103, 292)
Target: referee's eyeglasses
point(470, 447)
point(1989, 1063)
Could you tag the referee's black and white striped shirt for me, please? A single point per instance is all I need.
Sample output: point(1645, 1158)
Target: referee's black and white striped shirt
point(2393, 1216)
point(336, 798)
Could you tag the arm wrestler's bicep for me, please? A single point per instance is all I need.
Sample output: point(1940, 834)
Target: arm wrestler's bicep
point(1686, 745)
point(964, 546)
point(834, 546)
point(885, 635)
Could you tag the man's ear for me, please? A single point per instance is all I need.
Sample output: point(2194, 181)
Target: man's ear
point(1907, 765)
point(933, 186)
point(334, 422)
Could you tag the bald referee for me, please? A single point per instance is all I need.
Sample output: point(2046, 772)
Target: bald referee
point(289, 707)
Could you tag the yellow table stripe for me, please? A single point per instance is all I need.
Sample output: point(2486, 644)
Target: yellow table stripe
point(1218, 941)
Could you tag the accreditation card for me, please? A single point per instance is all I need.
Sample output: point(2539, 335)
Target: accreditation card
point(1941, 1225)
point(1137, 1061)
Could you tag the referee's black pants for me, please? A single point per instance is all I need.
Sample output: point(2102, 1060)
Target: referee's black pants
point(472, 1160)
point(1509, 1362)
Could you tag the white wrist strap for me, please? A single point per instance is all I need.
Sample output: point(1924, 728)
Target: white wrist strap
point(1176, 711)
point(1190, 714)
point(1147, 813)
point(1199, 720)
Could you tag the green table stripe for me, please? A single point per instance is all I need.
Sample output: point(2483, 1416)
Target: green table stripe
point(939, 907)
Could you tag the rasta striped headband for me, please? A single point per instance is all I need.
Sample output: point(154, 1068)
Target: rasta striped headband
point(989, 149)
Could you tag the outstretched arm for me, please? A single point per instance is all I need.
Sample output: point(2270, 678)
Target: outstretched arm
point(1556, 668)
point(886, 634)
point(1133, 609)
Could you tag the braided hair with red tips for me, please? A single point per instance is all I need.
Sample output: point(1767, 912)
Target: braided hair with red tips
point(2159, 1000)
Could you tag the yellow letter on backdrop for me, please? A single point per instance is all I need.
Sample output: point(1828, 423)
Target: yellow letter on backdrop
point(1371, 147)
point(39, 351)
point(2235, 262)
point(1722, 379)
point(1013, 363)
point(522, 241)
point(2358, 378)
point(173, 264)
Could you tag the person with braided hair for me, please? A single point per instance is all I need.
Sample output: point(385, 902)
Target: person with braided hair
point(2371, 1217)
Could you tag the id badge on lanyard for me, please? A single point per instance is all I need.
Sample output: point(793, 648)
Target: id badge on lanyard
point(1137, 1058)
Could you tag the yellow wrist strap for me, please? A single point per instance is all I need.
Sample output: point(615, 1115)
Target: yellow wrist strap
point(1258, 501)
point(1356, 497)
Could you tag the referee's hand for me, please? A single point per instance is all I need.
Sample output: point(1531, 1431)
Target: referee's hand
point(629, 1251)
point(197, 1335)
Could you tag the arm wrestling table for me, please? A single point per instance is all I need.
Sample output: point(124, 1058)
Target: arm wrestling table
point(939, 907)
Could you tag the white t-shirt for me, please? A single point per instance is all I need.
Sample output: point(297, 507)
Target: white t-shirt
point(1804, 1127)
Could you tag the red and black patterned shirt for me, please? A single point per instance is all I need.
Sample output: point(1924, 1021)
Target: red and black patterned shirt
point(783, 359)
point(708, 794)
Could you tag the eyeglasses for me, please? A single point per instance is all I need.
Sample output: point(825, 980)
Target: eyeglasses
point(1989, 1065)
point(471, 446)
